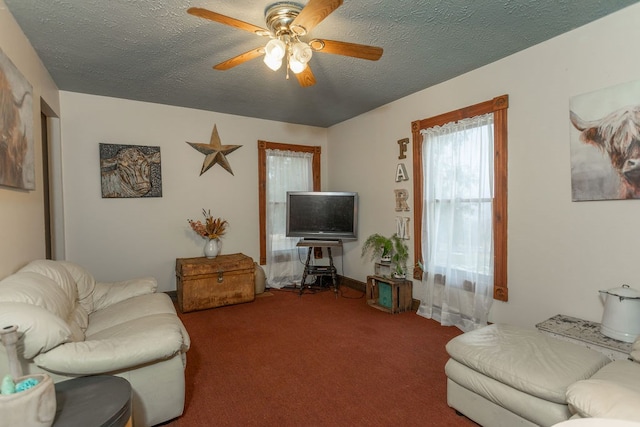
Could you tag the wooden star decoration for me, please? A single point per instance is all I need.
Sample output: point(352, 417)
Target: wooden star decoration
point(214, 152)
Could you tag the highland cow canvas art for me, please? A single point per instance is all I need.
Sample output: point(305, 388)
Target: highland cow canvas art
point(16, 128)
point(128, 171)
point(605, 144)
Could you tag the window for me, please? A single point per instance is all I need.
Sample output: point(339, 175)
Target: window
point(266, 174)
point(458, 188)
point(486, 209)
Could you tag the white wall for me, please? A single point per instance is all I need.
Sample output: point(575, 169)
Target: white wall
point(118, 239)
point(560, 252)
point(22, 212)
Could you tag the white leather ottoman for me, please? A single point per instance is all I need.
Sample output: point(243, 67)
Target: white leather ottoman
point(503, 375)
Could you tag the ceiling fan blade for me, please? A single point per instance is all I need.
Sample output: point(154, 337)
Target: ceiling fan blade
point(306, 77)
point(372, 53)
point(313, 13)
point(222, 19)
point(240, 59)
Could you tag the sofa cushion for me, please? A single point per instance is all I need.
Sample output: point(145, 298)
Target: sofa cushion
point(612, 392)
point(78, 322)
point(77, 317)
point(85, 283)
point(542, 412)
point(129, 344)
point(623, 372)
point(56, 272)
point(36, 289)
point(127, 310)
point(38, 329)
point(526, 359)
point(107, 294)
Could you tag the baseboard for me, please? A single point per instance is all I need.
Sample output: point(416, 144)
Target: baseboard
point(173, 295)
point(344, 281)
point(352, 283)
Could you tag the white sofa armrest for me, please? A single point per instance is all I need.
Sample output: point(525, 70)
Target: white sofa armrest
point(603, 399)
point(142, 341)
point(612, 392)
point(109, 293)
point(38, 329)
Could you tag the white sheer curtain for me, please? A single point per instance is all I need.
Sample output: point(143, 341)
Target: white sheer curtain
point(286, 171)
point(457, 237)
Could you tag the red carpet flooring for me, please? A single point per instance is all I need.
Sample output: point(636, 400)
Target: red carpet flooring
point(315, 360)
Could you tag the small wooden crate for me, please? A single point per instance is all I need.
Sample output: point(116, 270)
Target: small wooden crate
point(382, 269)
point(390, 295)
point(207, 283)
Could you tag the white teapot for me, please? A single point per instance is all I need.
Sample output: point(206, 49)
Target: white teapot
point(621, 317)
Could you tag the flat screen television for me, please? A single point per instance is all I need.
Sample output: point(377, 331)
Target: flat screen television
point(322, 215)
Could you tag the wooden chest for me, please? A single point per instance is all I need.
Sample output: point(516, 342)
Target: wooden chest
point(208, 283)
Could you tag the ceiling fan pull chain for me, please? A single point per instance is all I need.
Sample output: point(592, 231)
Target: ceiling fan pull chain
point(287, 66)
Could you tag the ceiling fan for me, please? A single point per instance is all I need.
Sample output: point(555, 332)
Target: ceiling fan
point(287, 22)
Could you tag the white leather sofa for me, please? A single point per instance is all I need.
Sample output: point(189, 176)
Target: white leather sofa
point(502, 375)
point(69, 325)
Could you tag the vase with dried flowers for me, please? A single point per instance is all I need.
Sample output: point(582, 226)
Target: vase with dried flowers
point(212, 230)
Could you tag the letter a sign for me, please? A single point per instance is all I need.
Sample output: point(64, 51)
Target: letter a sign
point(401, 173)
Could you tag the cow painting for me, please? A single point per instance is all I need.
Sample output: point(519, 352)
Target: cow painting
point(16, 146)
point(617, 136)
point(130, 171)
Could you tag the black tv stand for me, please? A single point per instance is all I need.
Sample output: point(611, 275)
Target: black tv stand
point(320, 270)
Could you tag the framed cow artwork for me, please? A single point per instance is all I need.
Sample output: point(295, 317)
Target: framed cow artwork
point(605, 143)
point(17, 168)
point(128, 171)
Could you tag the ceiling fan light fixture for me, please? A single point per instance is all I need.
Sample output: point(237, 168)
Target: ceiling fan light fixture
point(275, 49)
point(273, 63)
point(301, 52)
point(296, 66)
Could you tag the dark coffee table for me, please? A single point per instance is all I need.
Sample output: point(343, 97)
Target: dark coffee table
point(99, 400)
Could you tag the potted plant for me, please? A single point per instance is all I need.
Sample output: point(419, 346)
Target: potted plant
point(377, 246)
point(212, 230)
point(399, 257)
point(391, 250)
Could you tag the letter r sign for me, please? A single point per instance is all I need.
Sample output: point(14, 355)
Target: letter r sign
point(402, 196)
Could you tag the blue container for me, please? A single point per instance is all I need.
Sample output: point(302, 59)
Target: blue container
point(384, 295)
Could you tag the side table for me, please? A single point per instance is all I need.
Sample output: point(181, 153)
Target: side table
point(390, 295)
point(319, 270)
point(100, 400)
point(585, 333)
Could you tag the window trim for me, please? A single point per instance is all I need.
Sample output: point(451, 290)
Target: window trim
point(263, 146)
point(498, 106)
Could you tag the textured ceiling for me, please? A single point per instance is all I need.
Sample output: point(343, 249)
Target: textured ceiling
point(152, 50)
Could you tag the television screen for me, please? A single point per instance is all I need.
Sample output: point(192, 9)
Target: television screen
point(324, 215)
